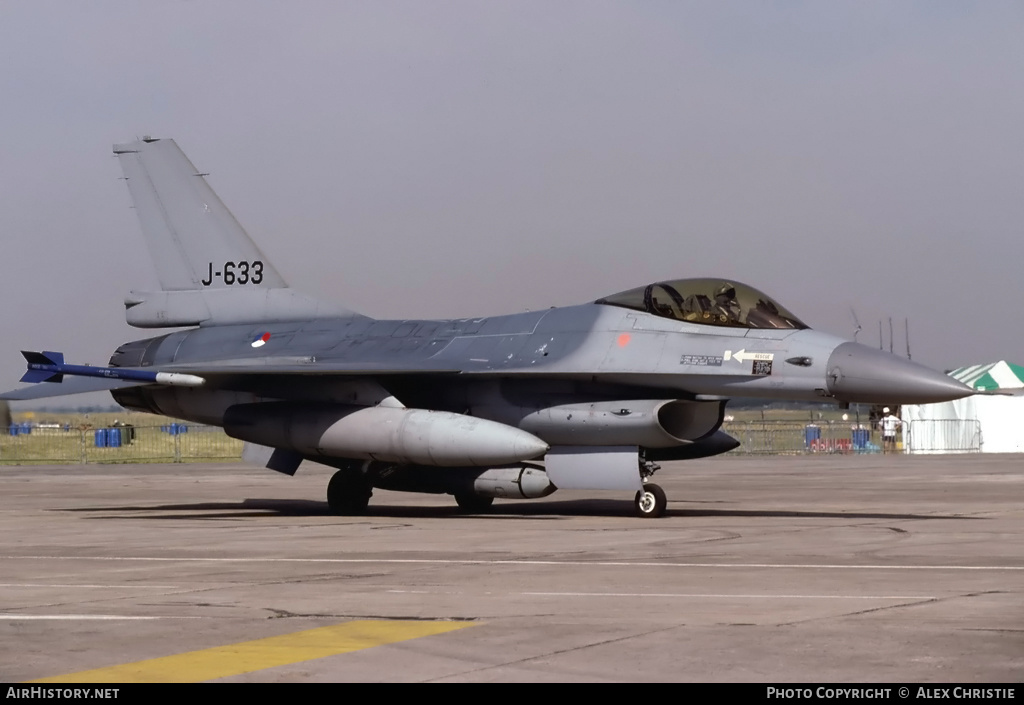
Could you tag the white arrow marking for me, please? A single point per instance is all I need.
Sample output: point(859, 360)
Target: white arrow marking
point(743, 355)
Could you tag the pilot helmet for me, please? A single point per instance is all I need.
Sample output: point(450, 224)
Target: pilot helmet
point(727, 290)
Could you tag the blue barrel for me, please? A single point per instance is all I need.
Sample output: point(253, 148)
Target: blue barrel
point(811, 434)
point(173, 429)
point(101, 438)
point(182, 428)
point(26, 428)
point(13, 429)
point(113, 438)
point(861, 437)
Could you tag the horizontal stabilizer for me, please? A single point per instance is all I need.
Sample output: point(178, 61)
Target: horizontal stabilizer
point(75, 385)
point(164, 309)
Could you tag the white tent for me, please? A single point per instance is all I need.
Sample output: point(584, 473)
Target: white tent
point(991, 421)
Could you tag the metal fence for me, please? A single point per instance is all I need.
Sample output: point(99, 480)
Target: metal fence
point(943, 436)
point(921, 436)
point(25, 444)
point(771, 437)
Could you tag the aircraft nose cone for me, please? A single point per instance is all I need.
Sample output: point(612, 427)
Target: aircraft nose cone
point(857, 373)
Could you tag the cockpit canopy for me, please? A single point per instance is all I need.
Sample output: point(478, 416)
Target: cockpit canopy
point(713, 302)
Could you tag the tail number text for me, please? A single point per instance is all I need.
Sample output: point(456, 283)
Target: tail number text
point(236, 273)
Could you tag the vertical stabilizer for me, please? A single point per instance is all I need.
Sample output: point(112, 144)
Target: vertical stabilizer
point(210, 271)
point(188, 229)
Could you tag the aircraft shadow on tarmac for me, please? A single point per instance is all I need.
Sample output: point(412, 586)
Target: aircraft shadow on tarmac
point(550, 510)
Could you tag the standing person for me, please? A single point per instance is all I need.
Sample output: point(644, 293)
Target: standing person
point(889, 424)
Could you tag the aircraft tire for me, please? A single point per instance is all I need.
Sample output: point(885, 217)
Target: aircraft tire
point(348, 493)
point(650, 502)
point(473, 503)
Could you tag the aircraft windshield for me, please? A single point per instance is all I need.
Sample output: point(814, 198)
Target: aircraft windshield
point(714, 302)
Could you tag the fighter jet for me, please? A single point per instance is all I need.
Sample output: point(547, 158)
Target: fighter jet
point(591, 396)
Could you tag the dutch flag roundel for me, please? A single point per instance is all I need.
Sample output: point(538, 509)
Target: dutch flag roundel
point(260, 340)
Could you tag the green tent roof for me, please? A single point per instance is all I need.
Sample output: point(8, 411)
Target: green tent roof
point(995, 375)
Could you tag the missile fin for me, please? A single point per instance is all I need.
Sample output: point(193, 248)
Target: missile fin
point(43, 358)
point(42, 376)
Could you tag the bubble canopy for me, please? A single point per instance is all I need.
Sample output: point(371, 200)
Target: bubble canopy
point(713, 302)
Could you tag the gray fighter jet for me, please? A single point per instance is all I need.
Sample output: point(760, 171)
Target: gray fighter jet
point(591, 396)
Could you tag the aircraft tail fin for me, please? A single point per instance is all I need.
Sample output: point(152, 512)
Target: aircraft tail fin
point(188, 229)
point(210, 271)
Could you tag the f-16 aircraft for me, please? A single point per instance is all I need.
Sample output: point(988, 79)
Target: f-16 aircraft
point(592, 396)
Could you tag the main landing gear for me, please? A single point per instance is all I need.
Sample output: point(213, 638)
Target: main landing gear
point(473, 503)
point(350, 488)
point(348, 492)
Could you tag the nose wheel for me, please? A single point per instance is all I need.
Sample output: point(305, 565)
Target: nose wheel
point(650, 502)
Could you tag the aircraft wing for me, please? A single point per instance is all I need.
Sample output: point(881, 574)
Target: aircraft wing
point(304, 366)
point(63, 379)
point(248, 373)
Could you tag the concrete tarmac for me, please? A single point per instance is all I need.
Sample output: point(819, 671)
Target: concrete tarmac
point(826, 568)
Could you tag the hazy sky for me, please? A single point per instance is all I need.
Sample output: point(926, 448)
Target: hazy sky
point(449, 159)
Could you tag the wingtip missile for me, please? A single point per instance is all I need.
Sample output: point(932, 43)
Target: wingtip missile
point(49, 366)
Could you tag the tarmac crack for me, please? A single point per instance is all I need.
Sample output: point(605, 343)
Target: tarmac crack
point(997, 631)
point(286, 614)
point(857, 613)
point(556, 652)
point(883, 608)
point(173, 592)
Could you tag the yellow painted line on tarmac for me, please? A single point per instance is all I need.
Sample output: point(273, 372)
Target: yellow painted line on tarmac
point(249, 656)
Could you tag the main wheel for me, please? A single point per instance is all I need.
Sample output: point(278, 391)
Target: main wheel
point(650, 502)
point(348, 493)
point(473, 503)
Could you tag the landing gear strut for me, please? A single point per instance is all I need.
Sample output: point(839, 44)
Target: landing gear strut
point(348, 492)
point(650, 502)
